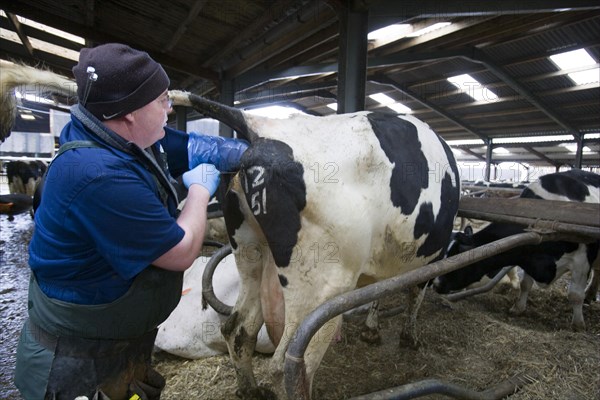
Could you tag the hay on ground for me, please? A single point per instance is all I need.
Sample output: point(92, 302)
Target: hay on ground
point(475, 343)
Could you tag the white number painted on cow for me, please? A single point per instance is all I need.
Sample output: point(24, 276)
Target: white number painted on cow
point(258, 196)
point(259, 178)
point(258, 202)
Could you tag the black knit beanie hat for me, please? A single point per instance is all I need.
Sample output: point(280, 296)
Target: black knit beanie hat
point(126, 80)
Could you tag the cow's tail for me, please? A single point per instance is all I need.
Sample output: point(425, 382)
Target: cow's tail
point(230, 116)
point(32, 80)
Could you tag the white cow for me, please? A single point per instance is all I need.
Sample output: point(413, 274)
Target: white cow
point(192, 332)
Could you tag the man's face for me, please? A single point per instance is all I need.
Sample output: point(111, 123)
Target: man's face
point(151, 119)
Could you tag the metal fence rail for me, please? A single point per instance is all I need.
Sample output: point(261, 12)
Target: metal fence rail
point(557, 220)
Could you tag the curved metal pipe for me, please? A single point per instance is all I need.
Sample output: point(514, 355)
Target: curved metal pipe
point(481, 289)
point(208, 294)
point(296, 382)
point(213, 243)
point(433, 386)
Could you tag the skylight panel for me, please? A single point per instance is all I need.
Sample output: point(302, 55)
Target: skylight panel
point(464, 142)
point(471, 86)
point(578, 59)
point(534, 139)
point(387, 101)
point(394, 32)
point(431, 28)
point(583, 77)
point(500, 151)
point(573, 59)
point(572, 147)
point(390, 32)
point(400, 108)
point(382, 98)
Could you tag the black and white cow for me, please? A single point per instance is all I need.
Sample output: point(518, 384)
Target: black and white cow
point(458, 244)
point(321, 203)
point(24, 176)
point(543, 263)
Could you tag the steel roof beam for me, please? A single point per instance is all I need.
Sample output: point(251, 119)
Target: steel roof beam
point(471, 152)
point(386, 9)
point(542, 156)
point(352, 64)
point(18, 28)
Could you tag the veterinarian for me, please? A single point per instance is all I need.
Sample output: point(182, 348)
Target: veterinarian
point(109, 247)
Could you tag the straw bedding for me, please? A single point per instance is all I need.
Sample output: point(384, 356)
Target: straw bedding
point(474, 343)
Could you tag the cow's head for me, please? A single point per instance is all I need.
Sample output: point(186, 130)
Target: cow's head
point(462, 277)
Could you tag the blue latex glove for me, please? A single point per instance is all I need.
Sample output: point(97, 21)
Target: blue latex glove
point(224, 153)
point(205, 175)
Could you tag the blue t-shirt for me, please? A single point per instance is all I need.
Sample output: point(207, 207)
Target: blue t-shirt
point(101, 220)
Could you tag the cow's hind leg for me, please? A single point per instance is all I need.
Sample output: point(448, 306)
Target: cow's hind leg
point(241, 328)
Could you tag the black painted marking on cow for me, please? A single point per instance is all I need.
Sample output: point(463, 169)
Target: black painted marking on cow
point(274, 187)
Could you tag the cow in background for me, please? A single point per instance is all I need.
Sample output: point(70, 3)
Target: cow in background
point(24, 176)
point(543, 263)
point(193, 332)
point(321, 203)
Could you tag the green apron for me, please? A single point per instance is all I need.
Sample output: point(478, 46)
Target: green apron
point(68, 350)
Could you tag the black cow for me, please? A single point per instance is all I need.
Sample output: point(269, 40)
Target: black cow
point(545, 262)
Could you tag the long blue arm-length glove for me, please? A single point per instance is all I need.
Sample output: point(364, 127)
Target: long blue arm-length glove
point(223, 153)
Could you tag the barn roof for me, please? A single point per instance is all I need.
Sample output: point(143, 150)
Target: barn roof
point(288, 52)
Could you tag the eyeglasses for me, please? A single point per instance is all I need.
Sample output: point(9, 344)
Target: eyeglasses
point(166, 102)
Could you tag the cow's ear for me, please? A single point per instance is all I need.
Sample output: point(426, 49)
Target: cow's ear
point(465, 238)
point(462, 238)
